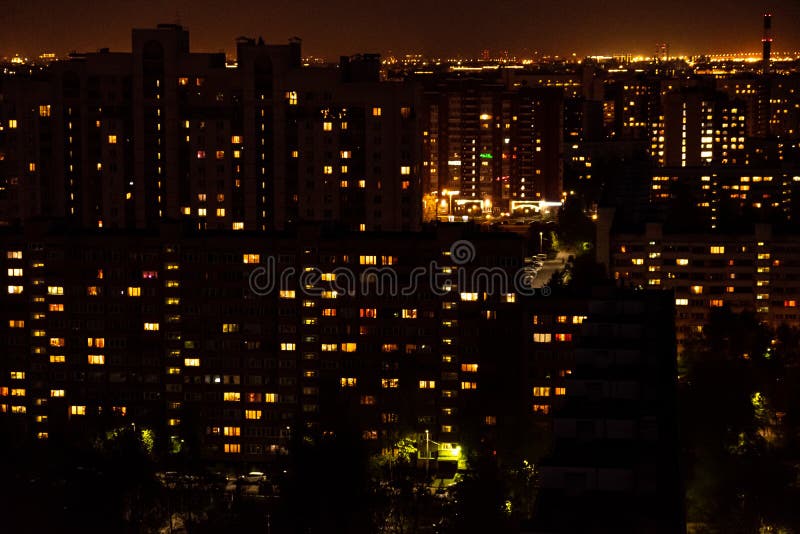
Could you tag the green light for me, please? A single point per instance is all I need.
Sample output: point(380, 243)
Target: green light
point(485, 155)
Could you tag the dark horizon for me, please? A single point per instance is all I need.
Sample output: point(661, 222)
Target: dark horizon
point(574, 26)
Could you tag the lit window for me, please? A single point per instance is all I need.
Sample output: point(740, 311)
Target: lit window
point(560, 392)
point(55, 290)
point(270, 398)
point(541, 408)
point(291, 96)
point(56, 392)
point(717, 250)
point(540, 337)
point(348, 382)
point(228, 328)
point(57, 358)
point(390, 383)
point(541, 391)
point(367, 260)
point(563, 337)
point(405, 169)
point(288, 346)
point(252, 414)
point(77, 410)
point(377, 112)
point(14, 290)
point(232, 448)
point(18, 323)
point(55, 307)
point(287, 293)
point(191, 362)
point(469, 367)
point(231, 431)
point(96, 359)
point(44, 111)
point(469, 385)
point(112, 139)
point(236, 139)
point(348, 347)
point(696, 290)
point(682, 261)
point(220, 154)
point(409, 313)
point(328, 169)
point(12, 123)
point(15, 272)
point(57, 342)
point(232, 396)
point(17, 375)
point(251, 258)
point(151, 327)
point(327, 126)
point(427, 384)
point(14, 254)
point(134, 291)
point(681, 302)
point(716, 303)
point(469, 297)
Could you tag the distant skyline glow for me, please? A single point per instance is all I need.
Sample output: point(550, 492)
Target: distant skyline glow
point(330, 29)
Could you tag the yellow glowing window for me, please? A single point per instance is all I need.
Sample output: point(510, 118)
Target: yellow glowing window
point(231, 431)
point(716, 303)
point(561, 391)
point(16, 323)
point(96, 342)
point(152, 327)
point(55, 290)
point(287, 293)
point(17, 375)
point(405, 169)
point(292, 97)
point(55, 307)
point(134, 291)
point(328, 169)
point(717, 250)
point(270, 398)
point(367, 400)
point(14, 290)
point(96, 359)
point(236, 139)
point(542, 337)
point(681, 302)
point(57, 358)
point(541, 408)
point(469, 297)
point(191, 362)
point(348, 381)
point(682, 261)
point(409, 313)
point(112, 139)
point(56, 392)
point(327, 126)
point(469, 385)
point(251, 258)
point(44, 111)
point(228, 328)
point(252, 414)
point(77, 410)
point(390, 383)
point(427, 384)
point(377, 112)
point(469, 367)
point(348, 347)
point(345, 154)
point(232, 396)
point(15, 272)
point(288, 346)
point(57, 342)
point(14, 254)
point(12, 123)
point(367, 260)
point(220, 212)
point(233, 448)
point(220, 154)
point(541, 391)
point(696, 290)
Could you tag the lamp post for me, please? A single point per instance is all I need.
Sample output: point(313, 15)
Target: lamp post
point(427, 452)
point(541, 239)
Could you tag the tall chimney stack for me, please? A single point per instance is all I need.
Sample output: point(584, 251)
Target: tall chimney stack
point(766, 43)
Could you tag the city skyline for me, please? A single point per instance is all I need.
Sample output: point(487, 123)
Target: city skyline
point(575, 27)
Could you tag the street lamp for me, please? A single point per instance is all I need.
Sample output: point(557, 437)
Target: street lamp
point(541, 238)
point(427, 452)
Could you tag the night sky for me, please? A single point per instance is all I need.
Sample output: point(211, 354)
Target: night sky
point(332, 28)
